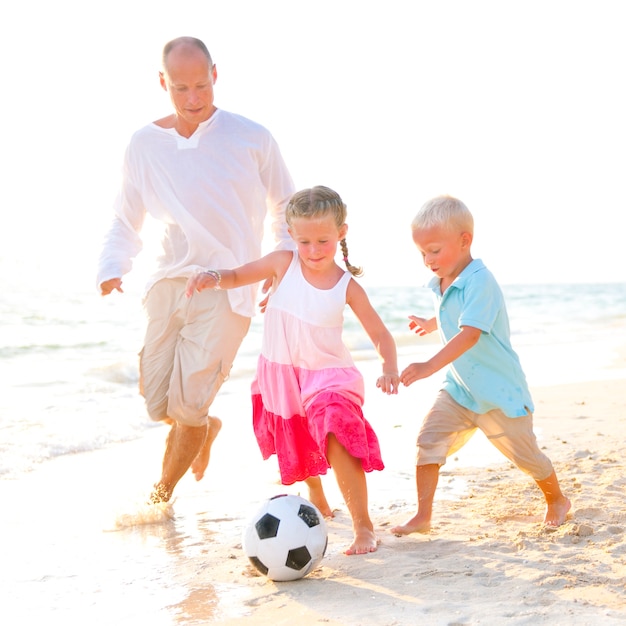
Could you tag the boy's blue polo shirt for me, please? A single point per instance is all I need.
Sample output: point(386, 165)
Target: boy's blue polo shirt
point(488, 375)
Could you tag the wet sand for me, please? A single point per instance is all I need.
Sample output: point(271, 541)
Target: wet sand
point(76, 547)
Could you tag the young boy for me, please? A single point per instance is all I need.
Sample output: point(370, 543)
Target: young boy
point(485, 386)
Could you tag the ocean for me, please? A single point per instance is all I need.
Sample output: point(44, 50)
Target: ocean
point(68, 360)
point(78, 456)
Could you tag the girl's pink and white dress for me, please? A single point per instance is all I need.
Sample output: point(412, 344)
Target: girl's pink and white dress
point(306, 385)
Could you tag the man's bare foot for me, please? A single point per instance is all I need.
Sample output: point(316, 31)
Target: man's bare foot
point(365, 541)
point(201, 462)
point(414, 525)
point(159, 494)
point(556, 512)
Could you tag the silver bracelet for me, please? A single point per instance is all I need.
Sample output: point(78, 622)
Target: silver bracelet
point(217, 277)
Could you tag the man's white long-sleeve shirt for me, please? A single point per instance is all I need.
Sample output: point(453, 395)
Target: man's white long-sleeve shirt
point(212, 191)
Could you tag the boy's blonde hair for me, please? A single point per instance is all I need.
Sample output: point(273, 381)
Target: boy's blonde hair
point(444, 212)
point(318, 202)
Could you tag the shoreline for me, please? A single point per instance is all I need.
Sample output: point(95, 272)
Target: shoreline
point(486, 560)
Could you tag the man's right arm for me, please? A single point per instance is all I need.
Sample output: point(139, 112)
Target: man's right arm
point(110, 285)
point(121, 245)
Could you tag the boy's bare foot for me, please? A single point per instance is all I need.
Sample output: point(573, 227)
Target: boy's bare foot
point(201, 462)
point(414, 525)
point(556, 512)
point(365, 541)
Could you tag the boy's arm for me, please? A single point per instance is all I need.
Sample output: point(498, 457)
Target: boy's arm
point(465, 339)
point(421, 325)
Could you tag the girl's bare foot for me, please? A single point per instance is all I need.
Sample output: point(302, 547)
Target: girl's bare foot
point(201, 462)
point(365, 541)
point(414, 525)
point(556, 512)
point(318, 497)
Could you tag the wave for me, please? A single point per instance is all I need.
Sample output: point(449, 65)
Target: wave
point(44, 348)
point(71, 387)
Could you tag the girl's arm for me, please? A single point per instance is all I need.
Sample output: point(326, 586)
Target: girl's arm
point(272, 265)
point(466, 338)
point(380, 336)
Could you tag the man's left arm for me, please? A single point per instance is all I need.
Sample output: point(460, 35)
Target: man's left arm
point(279, 189)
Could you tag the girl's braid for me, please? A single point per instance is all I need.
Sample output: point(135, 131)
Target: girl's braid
point(355, 271)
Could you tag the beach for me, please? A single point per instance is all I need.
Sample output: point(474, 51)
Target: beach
point(529, 136)
point(78, 547)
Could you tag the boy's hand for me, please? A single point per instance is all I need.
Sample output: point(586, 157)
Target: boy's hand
point(388, 383)
point(415, 371)
point(422, 326)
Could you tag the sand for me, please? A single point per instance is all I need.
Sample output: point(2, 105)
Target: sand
point(487, 559)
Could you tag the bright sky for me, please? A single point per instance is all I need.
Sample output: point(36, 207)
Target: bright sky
point(515, 107)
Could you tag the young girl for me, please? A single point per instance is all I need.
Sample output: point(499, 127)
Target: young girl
point(307, 394)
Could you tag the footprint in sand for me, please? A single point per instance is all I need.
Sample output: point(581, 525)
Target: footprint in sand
point(590, 513)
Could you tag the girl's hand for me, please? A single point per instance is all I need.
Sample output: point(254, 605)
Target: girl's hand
point(388, 383)
point(199, 282)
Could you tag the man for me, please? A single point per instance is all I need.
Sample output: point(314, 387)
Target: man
point(211, 177)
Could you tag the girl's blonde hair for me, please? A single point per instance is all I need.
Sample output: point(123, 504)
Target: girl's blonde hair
point(320, 202)
point(444, 212)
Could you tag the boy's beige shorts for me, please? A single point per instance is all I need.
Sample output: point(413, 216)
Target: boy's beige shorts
point(448, 426)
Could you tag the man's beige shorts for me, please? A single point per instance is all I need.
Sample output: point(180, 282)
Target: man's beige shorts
point(448, 426)
point(189, 349)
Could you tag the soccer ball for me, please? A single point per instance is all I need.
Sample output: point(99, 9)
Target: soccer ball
point(286, 538)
